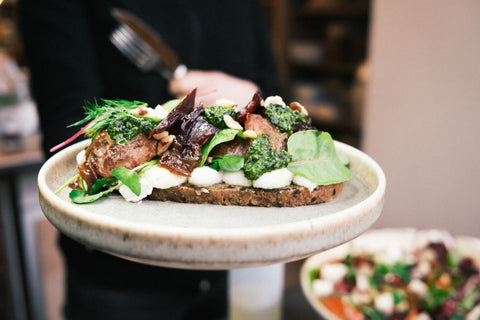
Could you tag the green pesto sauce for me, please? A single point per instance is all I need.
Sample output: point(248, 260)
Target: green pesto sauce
point(214, 115)
point(283, 117)
point(126, 128)
point(262, 158)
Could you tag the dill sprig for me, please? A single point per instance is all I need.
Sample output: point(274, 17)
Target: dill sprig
point(103, 114)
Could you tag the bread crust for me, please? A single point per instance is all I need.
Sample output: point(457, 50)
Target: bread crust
point(223, 194)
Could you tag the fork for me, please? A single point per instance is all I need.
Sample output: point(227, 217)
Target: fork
point(138, 51)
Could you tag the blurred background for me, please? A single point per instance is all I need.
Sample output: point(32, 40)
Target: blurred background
point(398, 79)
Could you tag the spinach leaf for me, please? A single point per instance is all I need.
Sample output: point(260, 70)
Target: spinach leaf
point(171, 104)
point(130, 178)
point(222, 136)
point(231, 163)
point(81, 196)
point(314, 157)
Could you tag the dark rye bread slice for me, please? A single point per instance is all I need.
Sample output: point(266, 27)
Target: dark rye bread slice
point(223, 194)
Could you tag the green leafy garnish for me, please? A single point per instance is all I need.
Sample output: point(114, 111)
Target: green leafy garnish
point(130, 178)
point(221, 136)
point(435, 297)
point(314, 157)
point(115, 116)
point(171, 104)
point(312, 275)
point(101, 183)
point(228, 162)
point(81, 196)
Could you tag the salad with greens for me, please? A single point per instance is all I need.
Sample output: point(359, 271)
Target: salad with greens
point(432, 281)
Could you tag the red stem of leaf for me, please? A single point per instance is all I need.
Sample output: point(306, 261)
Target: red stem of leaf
point(64, 143)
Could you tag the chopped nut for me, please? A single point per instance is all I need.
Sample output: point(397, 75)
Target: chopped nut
point(444, 281)
point(140, 111)
point(232, 124)
point(160, 136)
point(300, 108)
point(250, 134)
point(164, 143)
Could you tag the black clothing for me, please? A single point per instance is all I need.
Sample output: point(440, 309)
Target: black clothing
point(71, 60)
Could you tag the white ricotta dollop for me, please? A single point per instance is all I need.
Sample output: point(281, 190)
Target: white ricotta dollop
point(81, 158)
point(302, 181)
point(205, 177)
point(146, 189)
point(162, 178)
point(236, 178)
point(274, 179)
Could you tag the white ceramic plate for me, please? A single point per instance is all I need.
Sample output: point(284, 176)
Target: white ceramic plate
point(211, 236)
point(376, 241)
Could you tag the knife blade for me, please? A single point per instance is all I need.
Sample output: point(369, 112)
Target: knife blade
point(170, 67)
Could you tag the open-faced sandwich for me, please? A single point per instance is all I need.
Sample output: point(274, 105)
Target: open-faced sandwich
point(264, 154)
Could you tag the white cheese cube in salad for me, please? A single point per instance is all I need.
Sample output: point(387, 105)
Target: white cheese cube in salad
point(474, 314)
point(322, 287)
point(362, 282)
point(236, 178)
point(205, 177)
point(274, 179)
point(422, 316)
point(162, 178)
point(418, 287)
point(384, 303)
point(333, 271)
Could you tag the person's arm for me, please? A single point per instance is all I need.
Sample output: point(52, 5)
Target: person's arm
point(214, 85)
point(61, 60)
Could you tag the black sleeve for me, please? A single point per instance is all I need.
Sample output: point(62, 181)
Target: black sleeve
point(267, 73)
point(60, 57)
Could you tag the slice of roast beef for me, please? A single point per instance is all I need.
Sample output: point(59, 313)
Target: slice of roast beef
point(104, 155)
point(260, 125)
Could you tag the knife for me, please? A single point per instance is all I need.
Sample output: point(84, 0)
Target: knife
point(139, 34)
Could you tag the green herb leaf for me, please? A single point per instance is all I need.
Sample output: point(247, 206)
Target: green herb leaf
point(171, 104)
point(100, 183)
point(231, 163)
point(130, 178)
point(222, 136)
point(314, 157)
point(435, 297)
point(81, 197)
point(312, 274)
